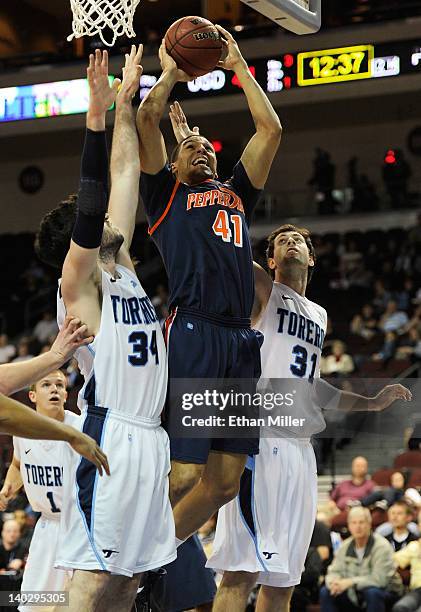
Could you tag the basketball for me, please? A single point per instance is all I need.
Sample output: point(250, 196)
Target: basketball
point(195, 45)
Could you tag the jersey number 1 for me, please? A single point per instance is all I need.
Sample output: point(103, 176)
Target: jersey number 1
point(52, 502)
point(221, 227)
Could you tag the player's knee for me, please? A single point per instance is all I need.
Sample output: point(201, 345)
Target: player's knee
point(183, 477)
point(282, 595)
point(242, 581)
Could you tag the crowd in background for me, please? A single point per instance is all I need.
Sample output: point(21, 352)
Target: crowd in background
point(369, 282)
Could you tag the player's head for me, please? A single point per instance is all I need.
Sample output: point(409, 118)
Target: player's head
point(290, 250)
point(194, 160)
point(53, 238)
point(399, 514)
point(49, 395)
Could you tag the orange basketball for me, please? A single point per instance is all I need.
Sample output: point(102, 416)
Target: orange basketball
point(195, 45)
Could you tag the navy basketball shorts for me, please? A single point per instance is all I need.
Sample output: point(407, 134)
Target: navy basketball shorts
point(203, 346)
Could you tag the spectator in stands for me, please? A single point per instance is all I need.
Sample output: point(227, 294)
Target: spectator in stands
point(26, 524)
point(396, 176)
point(393, 320)
point(322, 542)
point(381, 296)
point(389, 347)
point(323, 180)
point(399, 515)
point(362, 574)
point(405, 295)
point(386, 529)
point(339, 362)
point(388, 496)
point(326, 519)
point(7, 350)
point(414, 235)
point(45, 328)
point(12, 553)
point(355, 489)
point(307, 591)
point(23, 351)
point(365, 323)
point(411, 346)
point(410, 556)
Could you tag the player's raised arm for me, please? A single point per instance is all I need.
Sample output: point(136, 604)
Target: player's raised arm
point(125, 166)
point(153, 154)
point(19, 420)
point(81, 260)
point(15, 376)
point(258, 155)
point(263, 286)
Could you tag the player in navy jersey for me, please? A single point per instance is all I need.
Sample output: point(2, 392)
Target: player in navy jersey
point(200, 225)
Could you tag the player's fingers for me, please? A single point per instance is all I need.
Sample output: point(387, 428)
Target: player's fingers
point(139, 53)
point(86, 341)
point(104, 460)
point(226, 34)
point(116, 84)
point(104, 61)
point(196, 130)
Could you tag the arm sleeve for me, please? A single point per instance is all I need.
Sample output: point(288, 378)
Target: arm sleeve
point(241, 184)
point(93, 191)
point(156, 191)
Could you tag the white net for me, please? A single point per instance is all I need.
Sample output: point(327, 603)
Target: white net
point(92, 17)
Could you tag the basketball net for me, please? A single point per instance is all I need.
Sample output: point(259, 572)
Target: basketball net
point(90, 17)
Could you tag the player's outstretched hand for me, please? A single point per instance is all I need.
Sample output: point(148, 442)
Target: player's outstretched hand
point(88, 448)
point(390, 394)
point(5, 496)
point(72, 336)
point(232, 57)
point(168, 64)
point(132, 72)
point(101, 94)
point(179, 123)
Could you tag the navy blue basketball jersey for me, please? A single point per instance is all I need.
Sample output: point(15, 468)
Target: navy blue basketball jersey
point(202, 234)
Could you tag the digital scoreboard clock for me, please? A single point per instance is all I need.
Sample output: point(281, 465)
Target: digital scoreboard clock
point(335, 65)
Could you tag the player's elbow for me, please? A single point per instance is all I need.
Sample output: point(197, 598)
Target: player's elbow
point(272, 130)
point(148, 115)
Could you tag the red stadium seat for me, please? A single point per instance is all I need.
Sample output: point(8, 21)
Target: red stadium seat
point(409, 459)
point(415, 478)
point(382, 477)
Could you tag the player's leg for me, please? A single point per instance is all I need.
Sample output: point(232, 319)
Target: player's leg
point(234, 591)
point(274, 599)
point(219, 484)
point(183, 477)
point(86, 590)
point(120, 594)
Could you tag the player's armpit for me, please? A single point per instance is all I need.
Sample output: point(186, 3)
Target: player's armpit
point(263, 287)
point(263, 147)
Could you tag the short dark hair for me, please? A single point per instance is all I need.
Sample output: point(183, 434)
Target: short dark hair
point(52, 241)
point(401, 503)
point(288, 227)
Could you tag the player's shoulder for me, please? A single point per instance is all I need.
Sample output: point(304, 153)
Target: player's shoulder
point(71, 418)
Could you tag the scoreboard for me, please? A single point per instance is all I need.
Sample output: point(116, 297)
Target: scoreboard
point(277, 73)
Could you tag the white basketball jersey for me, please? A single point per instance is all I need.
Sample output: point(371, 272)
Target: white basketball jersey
point(294, 330)
point(125, 367)
point(42, 467)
